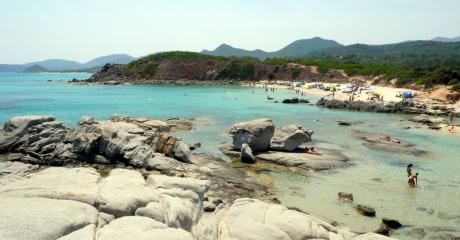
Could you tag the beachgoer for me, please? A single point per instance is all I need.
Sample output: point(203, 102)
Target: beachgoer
point(451, 117)
point(409, 169)
point(390, 139)
point(413, 179)
point(312, 150)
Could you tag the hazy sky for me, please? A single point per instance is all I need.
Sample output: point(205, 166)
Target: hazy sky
point(84, 29)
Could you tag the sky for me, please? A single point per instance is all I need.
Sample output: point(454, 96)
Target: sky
point(32, 30)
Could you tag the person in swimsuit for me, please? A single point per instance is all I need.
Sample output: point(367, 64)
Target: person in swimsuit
point(312, 150)
point(451, 117)
point(409, 169)
point(413, 180)
point(390, 139)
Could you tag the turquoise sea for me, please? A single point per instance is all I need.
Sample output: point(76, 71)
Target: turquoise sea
point(434, 205)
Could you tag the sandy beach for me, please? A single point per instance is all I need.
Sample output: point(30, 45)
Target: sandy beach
point(390, 94)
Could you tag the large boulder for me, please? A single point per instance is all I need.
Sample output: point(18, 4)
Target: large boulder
point(43, 219)
point(290, 137)
point(256, 133)
point(140, 228)
point(123, 192)
point(250, 219)
point(181, 200)
point(78, 184)
point(86, 233)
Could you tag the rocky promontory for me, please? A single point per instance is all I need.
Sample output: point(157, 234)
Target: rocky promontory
point(188, 68)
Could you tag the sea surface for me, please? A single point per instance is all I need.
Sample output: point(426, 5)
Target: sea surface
point(376, 178)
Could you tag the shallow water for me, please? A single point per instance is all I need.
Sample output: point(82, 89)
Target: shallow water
point(217, 108)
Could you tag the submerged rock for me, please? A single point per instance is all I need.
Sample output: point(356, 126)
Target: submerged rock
point(383, 230)
point(290, 137)
point(366, 210)
point(256, 133)
point(391, 223)
point(377, 142)
point(345, 197)
point(327, 160)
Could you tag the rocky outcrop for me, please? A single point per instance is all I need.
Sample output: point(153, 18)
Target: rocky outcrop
point(290, 137)
point(410, 107)
point(295, 101)
point(254, 219)
point(327, 160)
point(43, 218)
point(432, 122)
point(246, 154)
point(163, 207)
point(256, 133)
point(378, 142)
point(137, 142)
point(77, 184)
point(281, 146)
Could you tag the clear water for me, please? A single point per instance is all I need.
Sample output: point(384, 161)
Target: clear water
point(217, 108)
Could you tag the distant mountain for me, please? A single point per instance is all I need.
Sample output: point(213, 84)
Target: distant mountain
point(445, 39)
point(295, 49)
point(58, 64)
point(114, 58)
point(411, 54)
point(229, 51)
point(35, 69)
point(66, 65)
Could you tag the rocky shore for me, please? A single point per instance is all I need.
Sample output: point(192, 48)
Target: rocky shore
point(131, 178)
point(408, 107)
point(179, 82)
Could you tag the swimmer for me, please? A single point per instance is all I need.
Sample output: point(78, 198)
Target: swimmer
point(413, 180)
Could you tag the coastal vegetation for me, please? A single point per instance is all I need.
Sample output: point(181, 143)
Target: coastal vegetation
point(428, 77)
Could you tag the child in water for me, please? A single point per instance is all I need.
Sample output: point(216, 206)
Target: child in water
point(413, 180)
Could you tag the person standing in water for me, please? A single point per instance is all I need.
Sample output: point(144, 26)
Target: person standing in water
point(451, 118)
point(413, 179)
point(409, 169)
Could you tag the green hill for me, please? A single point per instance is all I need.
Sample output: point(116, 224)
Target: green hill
point(295, 49)
point(36, 69)
point(414, 54)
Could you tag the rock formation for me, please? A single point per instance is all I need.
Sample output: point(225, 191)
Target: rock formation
point(139, 142)
point(256, 133)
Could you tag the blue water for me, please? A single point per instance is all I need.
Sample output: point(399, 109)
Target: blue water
point(217, 108)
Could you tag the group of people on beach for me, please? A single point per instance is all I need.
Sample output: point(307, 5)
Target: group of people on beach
point(413, 177)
